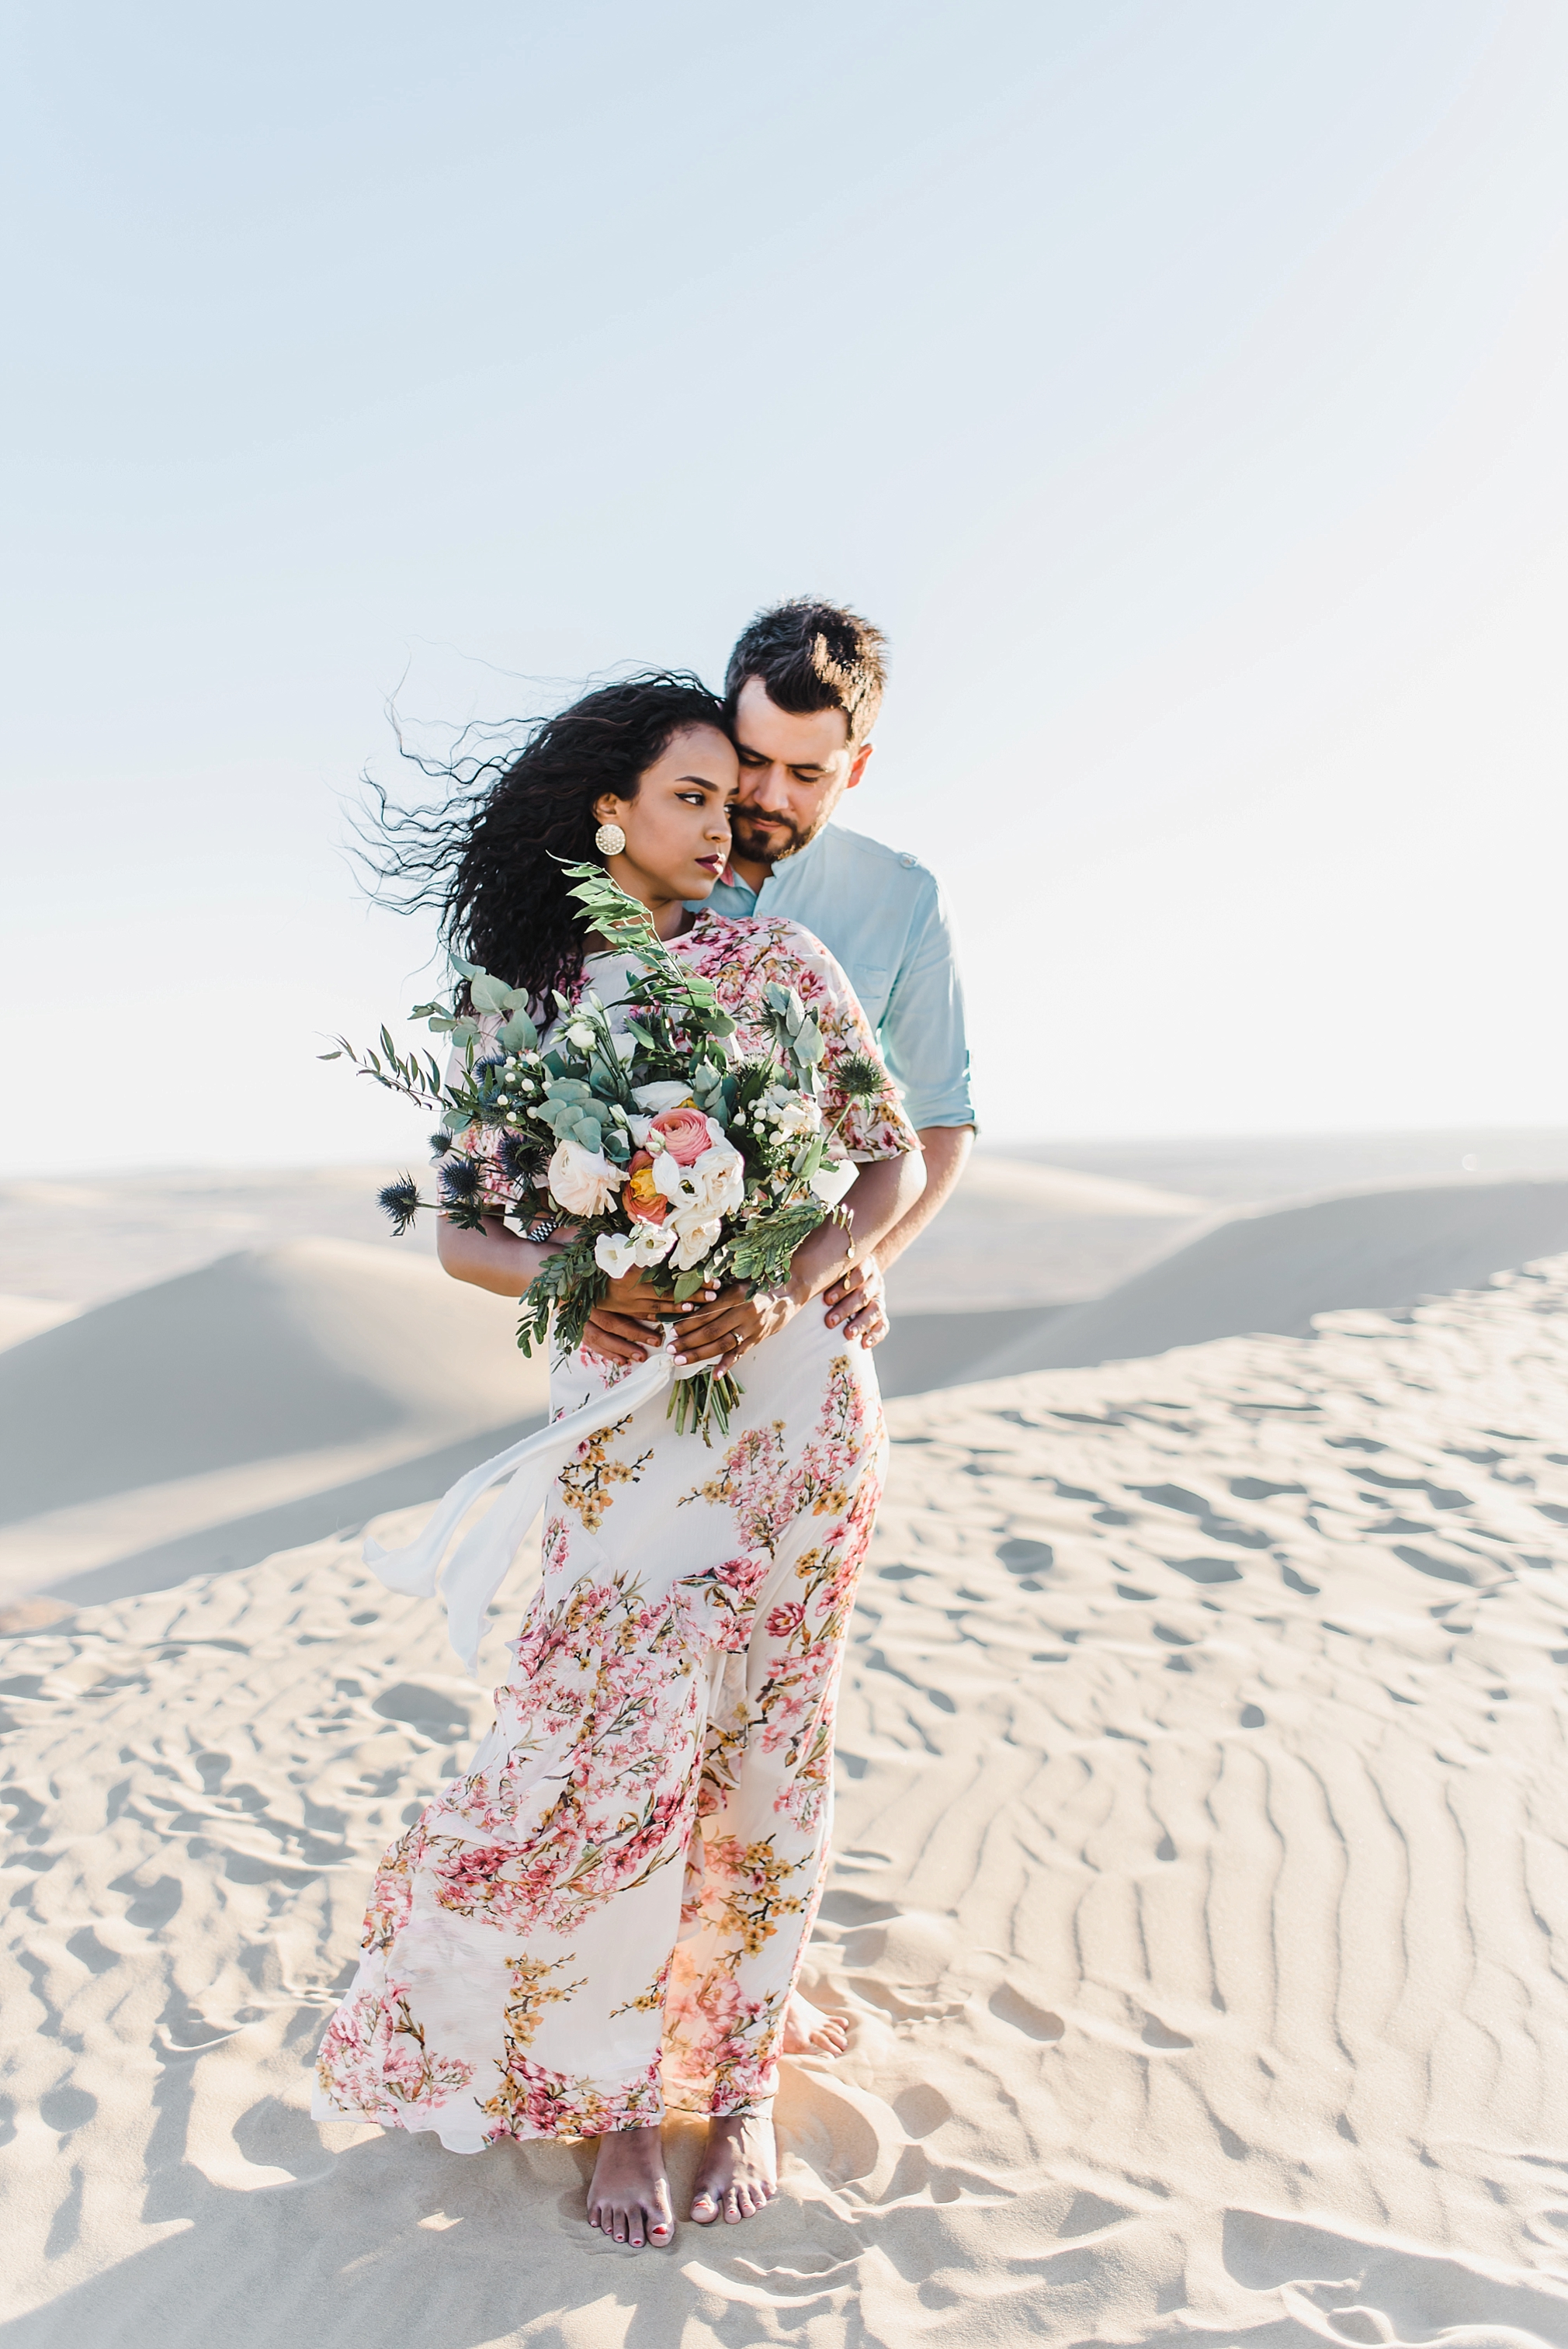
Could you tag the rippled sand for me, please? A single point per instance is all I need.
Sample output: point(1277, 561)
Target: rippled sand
point(1201, 1899)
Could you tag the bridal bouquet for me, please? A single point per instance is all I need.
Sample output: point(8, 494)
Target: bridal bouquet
point(649, 1144)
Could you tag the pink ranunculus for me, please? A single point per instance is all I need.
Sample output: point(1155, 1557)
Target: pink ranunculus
point(641, 1197)
point(685, 1132)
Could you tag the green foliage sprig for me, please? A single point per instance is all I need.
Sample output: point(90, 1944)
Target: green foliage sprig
point(398, 1072)
point(763, 1254)
point(567, 1287)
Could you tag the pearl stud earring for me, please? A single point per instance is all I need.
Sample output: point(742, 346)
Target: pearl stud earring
point(609, 840)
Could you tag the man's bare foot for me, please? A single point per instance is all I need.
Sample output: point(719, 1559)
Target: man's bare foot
point(809, 2032)
point(630, 2196)
point(739, 2172)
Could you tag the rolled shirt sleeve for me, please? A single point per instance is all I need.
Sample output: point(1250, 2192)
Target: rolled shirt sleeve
point(922, 1033)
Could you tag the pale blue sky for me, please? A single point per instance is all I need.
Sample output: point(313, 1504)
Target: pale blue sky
point(1180, 385)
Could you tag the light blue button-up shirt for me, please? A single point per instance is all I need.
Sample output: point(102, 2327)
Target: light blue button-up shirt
point(880, 915)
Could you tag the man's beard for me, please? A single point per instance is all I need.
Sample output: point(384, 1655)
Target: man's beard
point(782, 836)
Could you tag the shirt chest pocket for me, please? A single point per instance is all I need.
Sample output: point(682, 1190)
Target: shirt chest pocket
point(873, 986)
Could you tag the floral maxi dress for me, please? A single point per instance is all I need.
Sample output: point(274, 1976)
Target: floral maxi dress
point(604, 1917)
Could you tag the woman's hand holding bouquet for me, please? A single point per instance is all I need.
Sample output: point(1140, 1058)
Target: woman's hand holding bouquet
point(649, 1149)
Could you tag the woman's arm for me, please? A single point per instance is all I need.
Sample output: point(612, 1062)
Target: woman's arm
point(881, 1195)
point(494, 1258)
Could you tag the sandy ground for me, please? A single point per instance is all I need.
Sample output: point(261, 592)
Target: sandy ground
point(1201, 1899)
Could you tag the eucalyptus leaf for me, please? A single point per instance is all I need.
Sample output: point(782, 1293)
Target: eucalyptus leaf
point(488, 994)
point(518, 1033)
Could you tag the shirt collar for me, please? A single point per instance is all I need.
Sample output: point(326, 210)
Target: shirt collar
point(802, 857)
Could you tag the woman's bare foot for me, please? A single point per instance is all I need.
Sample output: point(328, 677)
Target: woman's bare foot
point(630, 2196)
point(809, 2032)
point(739, 2172)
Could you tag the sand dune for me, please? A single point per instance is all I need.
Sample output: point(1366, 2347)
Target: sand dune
point(1274, 1269)
point(1247, 1170)
point(160, 1433)
point(282, 1394)
point(1201, 1899)
point(1014, 1234)
point(260, 1400)
point(25, 1317)
point(96, 1238)
point(993, 1181)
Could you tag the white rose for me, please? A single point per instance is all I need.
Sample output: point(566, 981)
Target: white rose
point(714, 1186)
point(720, 1175)
point(665, 1094)
point(583, 1181)
point(697, 1235)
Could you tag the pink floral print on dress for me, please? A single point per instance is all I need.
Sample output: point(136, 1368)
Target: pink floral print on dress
point(604, 1918)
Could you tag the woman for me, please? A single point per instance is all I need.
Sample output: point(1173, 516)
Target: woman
point(605, 1917)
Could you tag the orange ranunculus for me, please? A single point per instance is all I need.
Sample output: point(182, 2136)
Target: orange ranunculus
point(640, 1196)
point(685, 1134)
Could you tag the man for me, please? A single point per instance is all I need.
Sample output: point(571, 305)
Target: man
point(803, 689)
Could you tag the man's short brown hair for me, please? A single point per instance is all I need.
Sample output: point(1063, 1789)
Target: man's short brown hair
point(812, 656)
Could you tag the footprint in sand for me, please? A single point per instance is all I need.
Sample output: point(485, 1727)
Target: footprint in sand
point(421, 1705)
point(1020, 2013)
point(1205, 1569)
point(920, 2109)
point(65, 2108)
point(1021, 1557)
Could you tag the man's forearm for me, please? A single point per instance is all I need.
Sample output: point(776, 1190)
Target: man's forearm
point(880, 1193)
point(945, 1149)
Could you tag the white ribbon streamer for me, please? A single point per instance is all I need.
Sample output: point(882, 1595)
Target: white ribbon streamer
point(479, 1565)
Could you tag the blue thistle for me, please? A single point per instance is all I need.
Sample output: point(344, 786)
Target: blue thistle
point(440, 1142)
point(400, 1200)
point(459, 1182)
point(462, 1195)
point(521, 1159)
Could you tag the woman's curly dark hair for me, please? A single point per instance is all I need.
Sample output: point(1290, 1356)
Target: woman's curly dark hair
point(488, 857)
